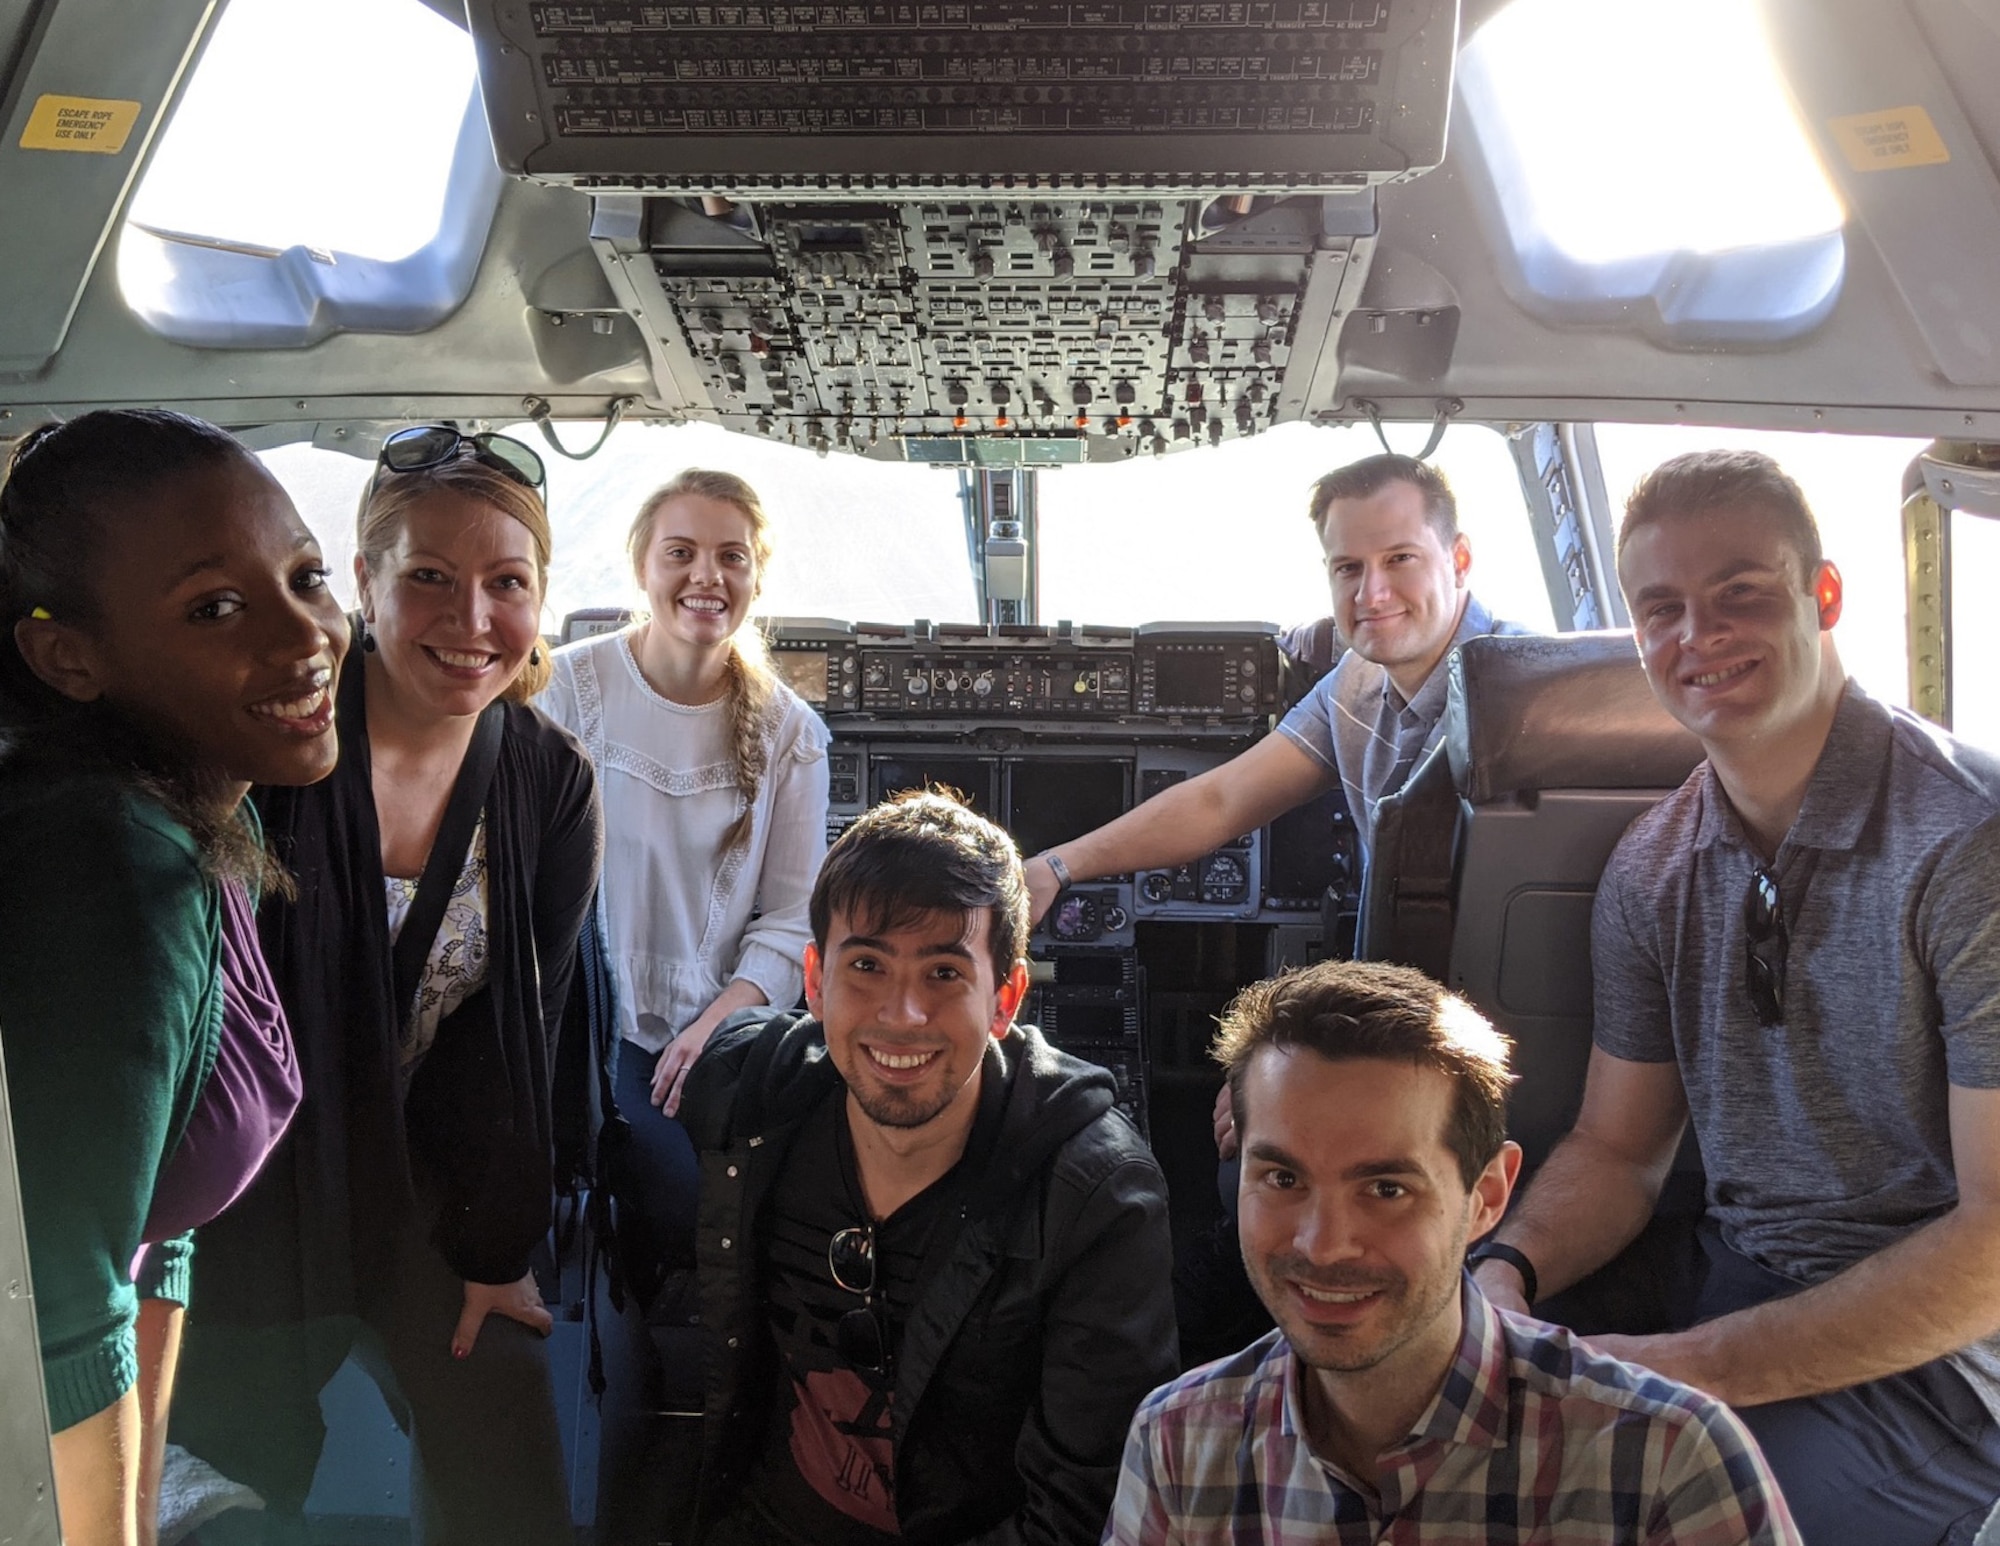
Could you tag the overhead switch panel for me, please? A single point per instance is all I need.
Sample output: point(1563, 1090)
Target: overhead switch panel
point(870, 328)
point(1097, 96)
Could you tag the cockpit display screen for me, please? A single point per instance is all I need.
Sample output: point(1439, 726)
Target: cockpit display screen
point(1188, 679)
point(969, 777)
point(1050, 802)
point(804, 671)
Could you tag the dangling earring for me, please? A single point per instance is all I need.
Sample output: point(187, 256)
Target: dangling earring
point(535, 656)
point(367, 640)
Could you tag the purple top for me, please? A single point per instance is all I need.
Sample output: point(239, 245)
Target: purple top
point(250, 1095)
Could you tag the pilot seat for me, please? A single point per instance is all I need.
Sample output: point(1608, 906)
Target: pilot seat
point(1485, 865)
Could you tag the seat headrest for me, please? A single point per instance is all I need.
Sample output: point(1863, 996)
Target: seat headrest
point(1563, 711)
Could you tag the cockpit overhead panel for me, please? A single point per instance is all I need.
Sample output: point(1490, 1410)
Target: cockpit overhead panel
point(990, 329)
point(916, 96)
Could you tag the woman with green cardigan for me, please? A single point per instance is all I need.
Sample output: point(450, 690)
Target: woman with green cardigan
point(169, 641)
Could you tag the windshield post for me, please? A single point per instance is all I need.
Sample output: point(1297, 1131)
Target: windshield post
point(1001, 543)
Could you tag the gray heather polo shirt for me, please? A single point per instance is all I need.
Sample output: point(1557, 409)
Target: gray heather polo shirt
point(1356, 724)
point(1825, 1138)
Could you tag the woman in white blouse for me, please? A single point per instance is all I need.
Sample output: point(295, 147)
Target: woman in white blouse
point(714, 780)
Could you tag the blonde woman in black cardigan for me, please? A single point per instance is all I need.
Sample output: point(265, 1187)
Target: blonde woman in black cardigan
point(401, 1218)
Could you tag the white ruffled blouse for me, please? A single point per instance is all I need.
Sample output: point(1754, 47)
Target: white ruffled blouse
point(682, 918)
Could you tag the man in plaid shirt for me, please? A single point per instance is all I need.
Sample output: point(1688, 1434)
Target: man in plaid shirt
point(1393, 1403)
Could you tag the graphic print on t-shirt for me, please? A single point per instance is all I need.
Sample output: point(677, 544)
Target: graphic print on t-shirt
point(828, 1468)
point(842, 1443)
point(825, 1473)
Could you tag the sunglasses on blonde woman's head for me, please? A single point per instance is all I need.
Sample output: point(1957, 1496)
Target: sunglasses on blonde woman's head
point(433, 445)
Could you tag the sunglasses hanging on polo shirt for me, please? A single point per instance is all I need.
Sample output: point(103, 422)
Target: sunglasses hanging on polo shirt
point(1764, 946)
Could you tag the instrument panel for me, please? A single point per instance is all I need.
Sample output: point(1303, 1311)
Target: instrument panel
point(1052, 732)
point(1183, 675)
point(983, 682)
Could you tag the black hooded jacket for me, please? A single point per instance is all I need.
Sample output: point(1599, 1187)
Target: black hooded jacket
point(1047, 1316)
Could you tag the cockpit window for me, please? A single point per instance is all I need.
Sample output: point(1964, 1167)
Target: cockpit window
point(315, 179)
point(1223, 533)
point(1975, 628)
point(329, 135)
point(853, 539)
point(1209, 534)
point(1694, 208)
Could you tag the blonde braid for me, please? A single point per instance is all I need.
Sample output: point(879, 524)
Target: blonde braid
point(752, 696)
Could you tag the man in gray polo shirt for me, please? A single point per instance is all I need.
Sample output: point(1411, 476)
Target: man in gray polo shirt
point(1801, 946)
point(1398, 567)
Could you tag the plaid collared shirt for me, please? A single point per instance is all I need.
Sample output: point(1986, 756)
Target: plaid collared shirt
point(1533, 1437)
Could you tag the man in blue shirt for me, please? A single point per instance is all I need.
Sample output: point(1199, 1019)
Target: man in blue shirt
point(1398, 567)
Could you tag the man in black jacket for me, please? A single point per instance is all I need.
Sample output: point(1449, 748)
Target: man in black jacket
point(935, 1268)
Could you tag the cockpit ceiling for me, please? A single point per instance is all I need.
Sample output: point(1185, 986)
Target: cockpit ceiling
point(1027, 272)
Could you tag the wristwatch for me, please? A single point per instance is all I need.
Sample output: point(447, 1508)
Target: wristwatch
point(1058, 869)
point(1513, 1256)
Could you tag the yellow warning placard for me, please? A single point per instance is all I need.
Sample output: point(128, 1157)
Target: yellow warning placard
point(1896, 137)
point(93, 124)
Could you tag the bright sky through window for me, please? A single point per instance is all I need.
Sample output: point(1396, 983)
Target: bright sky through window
point(1650, 129)
point(315, 126)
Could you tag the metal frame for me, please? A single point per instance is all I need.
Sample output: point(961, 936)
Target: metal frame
point(27, 1473)
point(1562, 482)
point(1927, 576)
point(1002, 542)
point(1957, 475)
